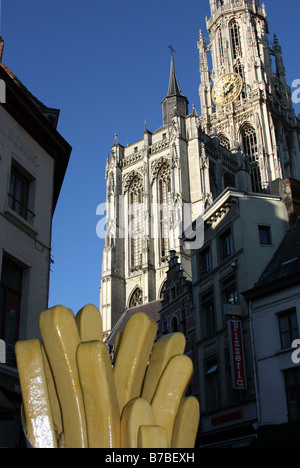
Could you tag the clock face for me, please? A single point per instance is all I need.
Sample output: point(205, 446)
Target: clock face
point(227, 89)
point(279, 92)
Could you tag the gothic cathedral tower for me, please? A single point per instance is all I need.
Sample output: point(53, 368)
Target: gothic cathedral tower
point(147, 183)
point(245, 100)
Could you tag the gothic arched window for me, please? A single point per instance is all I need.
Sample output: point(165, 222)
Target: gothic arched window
point(136, 223)
point(136, 298)
point(250, 148)
point(164, 194)
point(224, 141)
point(235, 39)
point(221, 46)
point(240, 70)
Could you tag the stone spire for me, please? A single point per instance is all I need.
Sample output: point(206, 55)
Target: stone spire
point(173, 82)
point(174, 103)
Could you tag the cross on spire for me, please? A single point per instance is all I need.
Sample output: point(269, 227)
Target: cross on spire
point(172, 49)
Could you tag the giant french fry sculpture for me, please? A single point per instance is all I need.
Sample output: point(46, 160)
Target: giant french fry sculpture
point(73, 397)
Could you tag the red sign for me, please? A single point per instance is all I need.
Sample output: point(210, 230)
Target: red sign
point(238, 374)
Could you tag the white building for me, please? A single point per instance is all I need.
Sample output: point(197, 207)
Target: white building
point(33, 161)
point(242, 232)
point(274, 310)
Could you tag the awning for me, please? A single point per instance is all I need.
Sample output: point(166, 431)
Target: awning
point(7, 410)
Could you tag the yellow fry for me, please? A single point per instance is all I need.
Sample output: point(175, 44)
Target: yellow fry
point(39, 421)
point(166, 347)
point(152, 437)
point(99, 394)
point(133, 357)
point(136, 413)
point(118, 340)
point(54, 402)
point(89, 323)
point(170, 391)
point(186, 424)
point(61, 339)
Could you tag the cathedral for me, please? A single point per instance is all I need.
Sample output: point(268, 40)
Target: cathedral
point(247, 137)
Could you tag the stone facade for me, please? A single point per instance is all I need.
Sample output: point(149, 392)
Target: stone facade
point(261, 121)
point(148, 185)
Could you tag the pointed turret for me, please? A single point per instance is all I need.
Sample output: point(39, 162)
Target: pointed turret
point(173, 82)
point(174, 103)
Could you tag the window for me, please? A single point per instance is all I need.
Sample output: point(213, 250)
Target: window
point(240, 70)
point(174, 325)
point(208, 314)
point(226, 245)
point(10, 305)
point(230, 296)
point(164, 189)
point(136, 298)
point(288, 328)
point(211, 384)
point(205, 261)
point(235, 39)
point(224, 141)
point(264, 235)
point(183, 321)
point(136, 223)
point(292, 389)
point(18, 196)
point(221, 46)
point(172, 293)
point(250, 148)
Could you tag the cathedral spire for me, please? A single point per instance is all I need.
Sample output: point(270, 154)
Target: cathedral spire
point(174, 103)
point(173, 82)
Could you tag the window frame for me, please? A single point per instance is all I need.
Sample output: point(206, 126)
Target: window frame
point(292, 331)
point(209, 326)
point(211, 383)
point(226, 247)
point(266, 230)
point(205, 261)
point(292, 392)
point(20, 202)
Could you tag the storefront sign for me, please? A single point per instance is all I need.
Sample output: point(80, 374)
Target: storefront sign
point(238, 374)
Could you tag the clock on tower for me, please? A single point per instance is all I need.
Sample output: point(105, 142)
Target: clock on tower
point(245, 99)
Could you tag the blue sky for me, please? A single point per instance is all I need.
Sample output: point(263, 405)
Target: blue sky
point(106, 66)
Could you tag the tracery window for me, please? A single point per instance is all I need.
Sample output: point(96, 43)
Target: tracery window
point(164, 193)
point(136, 223)
point(136, 298)
point(221, 46)
point(224, 141)
point(240, 70)
point(235, 39)
point(251, 151)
